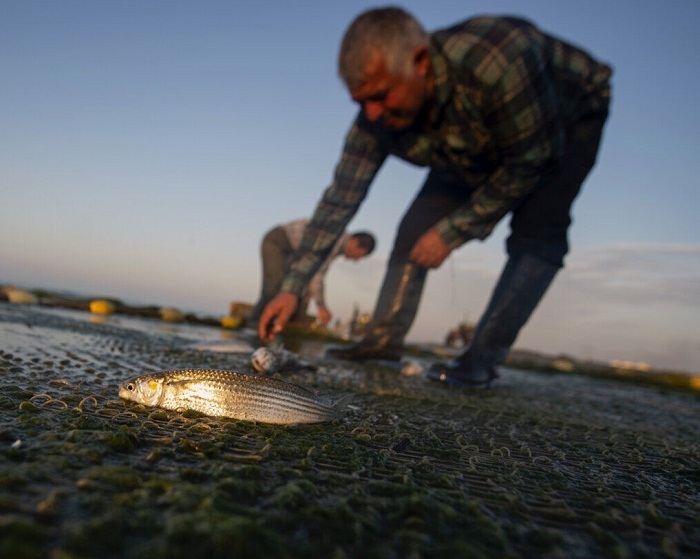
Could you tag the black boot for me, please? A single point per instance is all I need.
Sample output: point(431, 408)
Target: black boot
point(396, 308)
point(520, 288)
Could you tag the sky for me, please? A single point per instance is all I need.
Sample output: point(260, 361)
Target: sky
point(147, 146)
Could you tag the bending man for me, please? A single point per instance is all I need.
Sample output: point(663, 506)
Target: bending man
point(509, 121)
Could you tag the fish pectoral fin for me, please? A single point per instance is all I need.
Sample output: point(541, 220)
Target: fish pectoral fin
point(177, 387)
point(192, 390)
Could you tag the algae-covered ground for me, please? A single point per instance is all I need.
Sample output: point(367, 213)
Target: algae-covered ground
point(541, 465)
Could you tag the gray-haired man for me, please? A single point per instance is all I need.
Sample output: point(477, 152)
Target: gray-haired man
point(509, 120)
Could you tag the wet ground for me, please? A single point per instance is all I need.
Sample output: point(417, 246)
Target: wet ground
point(541, 465)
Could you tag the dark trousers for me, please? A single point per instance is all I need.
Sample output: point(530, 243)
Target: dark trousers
point(539, 226)
point(539, 223)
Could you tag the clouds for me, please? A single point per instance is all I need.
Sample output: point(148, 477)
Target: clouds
point(624, 301)
point(630, 274)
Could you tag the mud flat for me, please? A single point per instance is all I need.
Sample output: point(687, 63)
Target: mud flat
point(546, 464)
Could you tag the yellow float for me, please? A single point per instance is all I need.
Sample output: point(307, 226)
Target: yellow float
point(230, 322)
point(101, 306)
point(170, 314)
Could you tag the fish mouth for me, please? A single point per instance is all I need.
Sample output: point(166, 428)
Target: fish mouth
point(124, 392)
point(127, 389)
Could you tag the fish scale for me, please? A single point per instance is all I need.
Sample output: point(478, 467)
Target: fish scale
point(229, 394)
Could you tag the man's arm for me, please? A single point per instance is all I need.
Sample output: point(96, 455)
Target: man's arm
point(430, 251)
point(317, 287)
point(361, 159)
point(276, 315)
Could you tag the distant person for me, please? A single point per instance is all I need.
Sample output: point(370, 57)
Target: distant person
point(508, 119)
point(277, 249)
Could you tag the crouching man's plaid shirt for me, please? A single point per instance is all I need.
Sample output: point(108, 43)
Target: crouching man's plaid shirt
point(504, 95)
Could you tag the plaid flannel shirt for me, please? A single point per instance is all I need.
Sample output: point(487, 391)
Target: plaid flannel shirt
point(315, 288)
point(504, 95)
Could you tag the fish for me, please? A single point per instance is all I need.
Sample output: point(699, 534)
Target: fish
point(237, 395)
point(267, 361)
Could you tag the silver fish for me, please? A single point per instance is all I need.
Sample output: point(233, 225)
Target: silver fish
point(268, 361)
point(229, 394)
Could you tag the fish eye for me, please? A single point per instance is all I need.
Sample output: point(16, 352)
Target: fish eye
point(130, 387)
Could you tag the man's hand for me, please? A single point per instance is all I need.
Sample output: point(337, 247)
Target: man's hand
point(276, 315)
point(323, 315)
point(430, 251)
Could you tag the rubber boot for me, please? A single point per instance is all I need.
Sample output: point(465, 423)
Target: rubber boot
point(394, 313)
point(522, 285)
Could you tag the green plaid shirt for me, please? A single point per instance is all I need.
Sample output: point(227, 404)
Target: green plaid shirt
point(504, 95)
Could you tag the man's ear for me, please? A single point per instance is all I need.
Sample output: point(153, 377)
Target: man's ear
point(421, 60)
